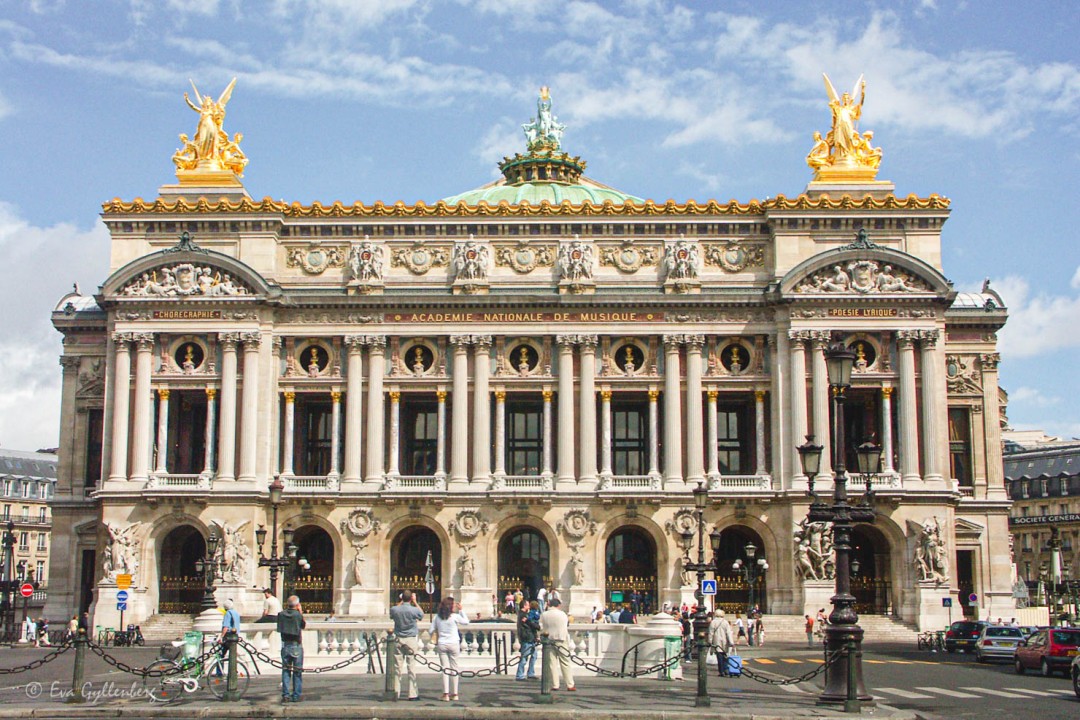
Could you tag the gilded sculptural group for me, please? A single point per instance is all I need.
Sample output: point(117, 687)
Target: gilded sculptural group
point(211, 150)
point(845, 154)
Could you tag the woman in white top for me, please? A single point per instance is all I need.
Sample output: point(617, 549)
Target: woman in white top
point(448, 646)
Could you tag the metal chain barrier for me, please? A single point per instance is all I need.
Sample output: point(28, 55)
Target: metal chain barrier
point(593, 667)
point(39, 662)
point(806, 677)
point(180, 667)
point(499, 668)
point(314, 671)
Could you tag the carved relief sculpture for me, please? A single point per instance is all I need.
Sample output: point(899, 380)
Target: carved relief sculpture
point(467, 565)
point(733, 258)
point(681, 260)
point(864, 277)
point(628, 258)
point(524, 258)
point(419, 258)
point(121, 555)
point(931, 556)
point(576, 524)
point(576, 262)
point(815, 558)
point(315, 258)
point(962, 378)
point(366, 262)
point(357, 527)
point(470, 264)
point(235, 553)
point(184, 280)
point(468, 524)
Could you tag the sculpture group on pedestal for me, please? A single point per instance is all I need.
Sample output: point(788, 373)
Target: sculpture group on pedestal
point(815, 558)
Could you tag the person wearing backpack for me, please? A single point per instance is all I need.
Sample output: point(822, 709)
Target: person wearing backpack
point(528, 625)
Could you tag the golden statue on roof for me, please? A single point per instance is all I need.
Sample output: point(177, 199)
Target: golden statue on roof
point(211, 158)
point(845, 155)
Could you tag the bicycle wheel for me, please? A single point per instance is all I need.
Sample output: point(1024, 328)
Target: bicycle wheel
point(217, 678)
point(165, 688)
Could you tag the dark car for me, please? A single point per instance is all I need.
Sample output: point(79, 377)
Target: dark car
point(1050, 650)
point(963, 635)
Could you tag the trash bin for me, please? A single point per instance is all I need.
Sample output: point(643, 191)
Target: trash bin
point(192, 644)
point(672, 648)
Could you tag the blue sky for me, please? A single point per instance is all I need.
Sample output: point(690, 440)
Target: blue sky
point(417, 100)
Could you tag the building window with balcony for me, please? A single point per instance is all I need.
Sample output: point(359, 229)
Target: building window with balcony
point(315, 428)
point(42, 515)
point(187, 432)
point(95, 434)
point(420, 437)
point(960, 445)
point(1025, 489)
point(732, 448)
point(26, 489)
point(42, 538)
point(25, 513)
point(24, 540)
point(40, 574)
point(524, 437)
point(630, 438)
point(43, 491)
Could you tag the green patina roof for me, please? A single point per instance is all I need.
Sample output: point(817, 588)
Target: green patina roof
point(585, 190)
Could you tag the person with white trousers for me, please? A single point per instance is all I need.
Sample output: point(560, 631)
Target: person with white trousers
point(448, 645)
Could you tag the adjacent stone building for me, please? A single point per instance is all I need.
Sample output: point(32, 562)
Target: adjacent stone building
point(523, 383)
point(27, 486)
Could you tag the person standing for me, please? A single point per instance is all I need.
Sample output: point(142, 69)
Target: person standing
point(73, 627)
point(759, 631)
point(556, 625)
point(528, 624)
point(230, 621)
point(541, 597)
point(271, 607)
point(821, 622)
point(448, 646)
point(740, 628)
point(290, 624)
point(406, 615)
point(720, 639)
point(809, 631)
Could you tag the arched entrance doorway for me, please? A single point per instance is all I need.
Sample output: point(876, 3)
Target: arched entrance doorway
point(630, 569)
point(870, 584)
point(408, 565)
point(313, 581)
point(732, 590)
point(180, 588)
point(524, 562)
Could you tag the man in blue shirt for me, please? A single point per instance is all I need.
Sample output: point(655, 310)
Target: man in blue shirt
point(231, 621)
point(406, 614)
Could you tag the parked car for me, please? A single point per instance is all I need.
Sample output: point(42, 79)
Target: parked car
point(1050, 650)
point(997, 642)
point(1029, 630)
point(1074, 670)
point(963, 635)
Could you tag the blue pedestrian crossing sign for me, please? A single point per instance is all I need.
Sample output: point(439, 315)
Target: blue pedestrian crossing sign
point(122, 596)
point(708, 587)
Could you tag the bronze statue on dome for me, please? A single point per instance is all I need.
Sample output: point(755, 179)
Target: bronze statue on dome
point(544, 132)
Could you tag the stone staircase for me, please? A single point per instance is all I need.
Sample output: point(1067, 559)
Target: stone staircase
point(878, 628)
point(161, 628)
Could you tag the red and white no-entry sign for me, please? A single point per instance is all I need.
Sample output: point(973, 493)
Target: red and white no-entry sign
point(26, 589)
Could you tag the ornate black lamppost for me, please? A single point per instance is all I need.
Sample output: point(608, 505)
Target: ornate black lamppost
point(1053, 577)
point(843, 636)
point(208, 567)
point(751, 571)
point(701, 616)
point(274, 562)
point(9, 584)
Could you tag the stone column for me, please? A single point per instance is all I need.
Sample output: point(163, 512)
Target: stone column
point(931, 400)
point(711, 452)
point(440, 442)
point(287, 442)
point(909, 431)
point(459, 450)
point(567, 478)
point(481, 427)
point(798, 340)
point(886, 430)
point(822, 396)
point(140, 436)
point(547, 471)
point(500, 433)
point(249, 421)
point(695, 463)
point(759, 432)
point(605, 433)
point(654, 433)
point(227, 442)
point(211, 424)
point(673, 471)
point(991, 427)
point(335, 433)
point(587, 409)
point(121, 397)
point(376, 370)
point(354, 434)
point(163, 430)
point(779, 362)
point(395, 434)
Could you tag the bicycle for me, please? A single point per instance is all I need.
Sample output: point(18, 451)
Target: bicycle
point(183, 675)
point(932, 640)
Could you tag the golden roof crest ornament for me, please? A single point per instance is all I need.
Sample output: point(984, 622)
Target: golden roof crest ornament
point(211, 157)
point(845, 155)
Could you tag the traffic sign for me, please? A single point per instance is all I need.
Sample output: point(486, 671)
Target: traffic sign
point(121, 606)
point(973, 598)
point(122, 596)
point(708, 587)
point(123, 581)
point(946, 602)
point(26, 590)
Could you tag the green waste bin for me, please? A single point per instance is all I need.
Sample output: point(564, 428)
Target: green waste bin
point(672, 648)
point(192, 644)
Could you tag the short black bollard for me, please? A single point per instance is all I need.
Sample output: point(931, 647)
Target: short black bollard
point(389, 691)
point(80, 666)
point(232, 693)
point(546, 670)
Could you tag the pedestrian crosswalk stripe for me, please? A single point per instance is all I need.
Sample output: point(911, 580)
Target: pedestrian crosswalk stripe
point(765, 661)
point(904, 693)
point(948, 693)
point(995, 693)
point(819, 661)
point(875, 662)
point(1040, 693)
point(790, 660)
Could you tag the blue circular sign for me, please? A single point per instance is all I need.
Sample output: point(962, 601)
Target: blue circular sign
point(973, 598)
point(122, 596)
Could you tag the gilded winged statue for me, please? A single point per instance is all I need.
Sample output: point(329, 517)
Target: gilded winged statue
point(844, 149)
point(211, 148)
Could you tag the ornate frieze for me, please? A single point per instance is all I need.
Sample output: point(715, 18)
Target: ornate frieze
point(961, 376)
point(328, 317)
point(315, 258)
point(91, 378)
point(861, 277)
point(681, 266)
point(576, 524)
point(420, 258)
point(468, 524)
point(628, 258)
point(470, 264)
point(366, 266)
point(735, 258)
point(524, 257)
point(576, 260)
point(185, 280)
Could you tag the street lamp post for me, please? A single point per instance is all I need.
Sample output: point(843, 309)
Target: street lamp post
point(701, 617)
point(8, 584)
point(751, 571)
point(208, 567)
point(843, 636)
point(1053, 578)
point(274, 562)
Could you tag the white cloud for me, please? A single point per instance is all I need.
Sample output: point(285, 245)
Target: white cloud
point(501, 140)
point(55, 257)
point(5, 107)
point(1039, 321)
point(1031, 396)
point(195, 7)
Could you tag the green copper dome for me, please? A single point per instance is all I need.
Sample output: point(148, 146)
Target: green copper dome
point(545, 173)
